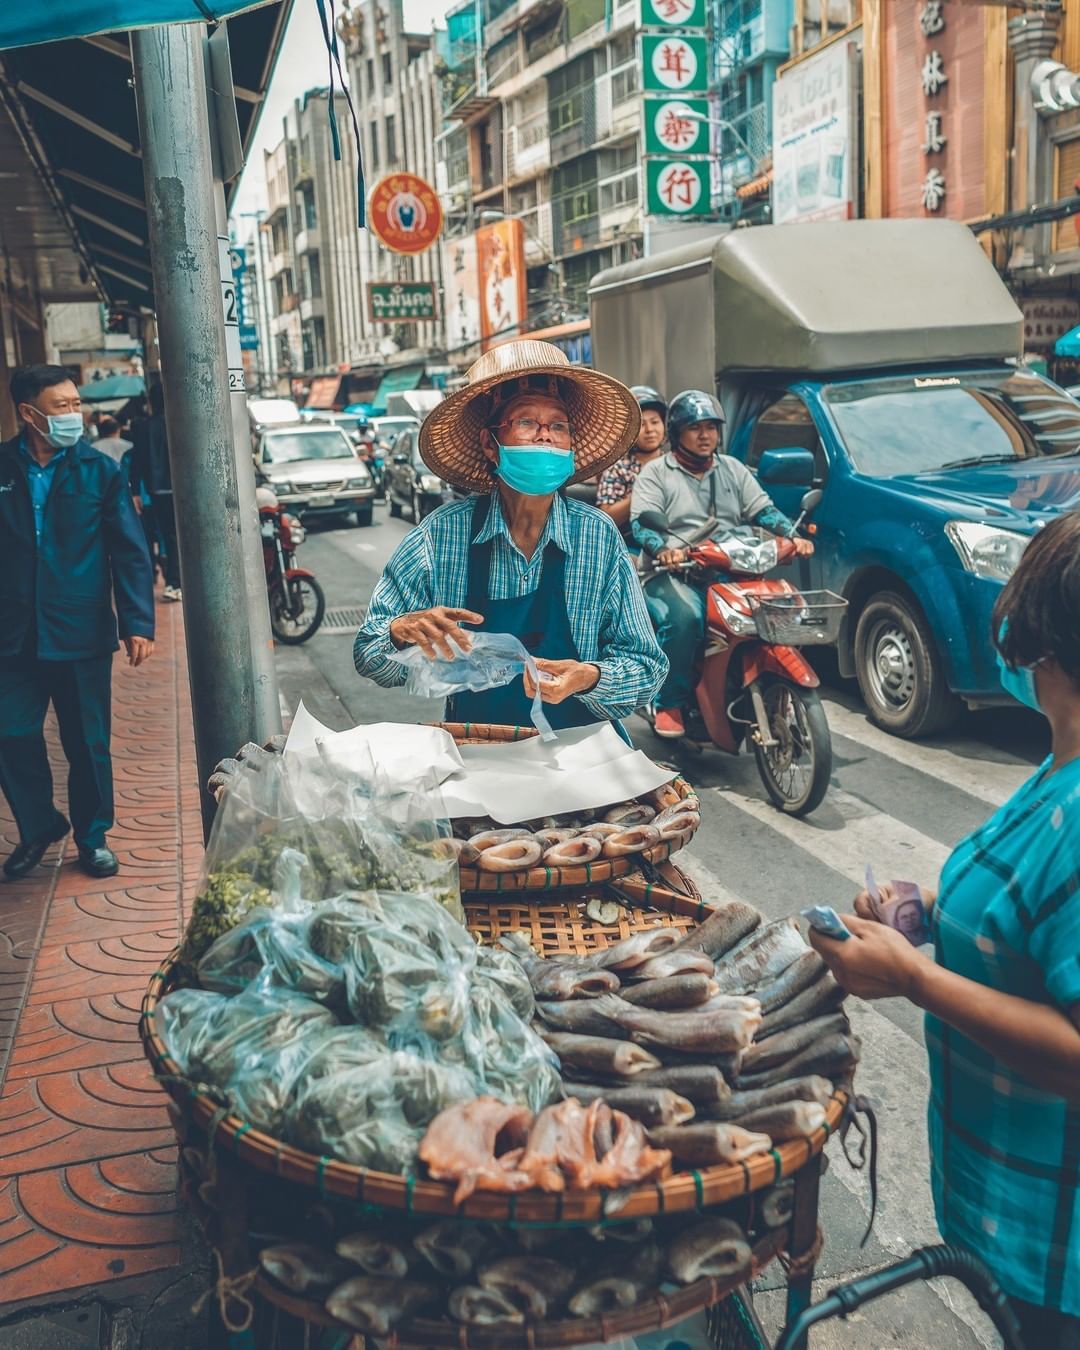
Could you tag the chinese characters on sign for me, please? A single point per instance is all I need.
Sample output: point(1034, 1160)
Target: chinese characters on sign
point(678, 187)
point(934, 78)
point(677, 126)
point(401, 301)
point(676, 64)
point(673, 13)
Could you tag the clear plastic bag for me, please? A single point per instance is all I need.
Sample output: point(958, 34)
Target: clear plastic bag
point(493, 659)
point(503, 971)
point(506, 1057)
point(277, 943)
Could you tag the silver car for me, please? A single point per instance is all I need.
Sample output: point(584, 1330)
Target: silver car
point(314, 470)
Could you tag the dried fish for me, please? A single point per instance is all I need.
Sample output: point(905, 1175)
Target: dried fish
point(453, 1249)
point(704, 1144)
point(635, 1231)
point(600, 1054)
point(628, 814)
point(560, 1144)
point(302, 1268)
point(671, 992)
point(651, 1105)
point(559, 979)
point(719, 1032)
point(830, 1057)
point(374, 1304)
point(537, 1285)
point(467, 1144)
point(760, 958)
point(777, 1049)
point(725, 927)
point(621, 1281)
point(630, 1159)
point(804, 971)
point(786, 1120)
point(821, 997)
point(637, 949)
point(578, 1016)
point(373, 1254)
point(713, 1248)
point(684, 961)
point(810, 1088)
point(702, 1084)
point(778, 1204)
point(478, 1307)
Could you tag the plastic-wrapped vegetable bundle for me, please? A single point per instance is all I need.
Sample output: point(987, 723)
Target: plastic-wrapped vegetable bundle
point(503, 971)
point(277, 943)
point(505, 1055)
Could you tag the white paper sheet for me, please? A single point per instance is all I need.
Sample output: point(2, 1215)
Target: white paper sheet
point(403, 751)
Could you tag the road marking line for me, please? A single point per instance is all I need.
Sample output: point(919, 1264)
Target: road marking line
point(990, 781)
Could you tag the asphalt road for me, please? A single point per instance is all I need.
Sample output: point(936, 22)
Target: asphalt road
point(900, 805)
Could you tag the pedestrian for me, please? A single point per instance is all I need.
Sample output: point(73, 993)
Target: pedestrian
point(517, 556)
point(151, 470)
point(110, 442)
point(76, 550)
point(618, 479)
point(1002, 992)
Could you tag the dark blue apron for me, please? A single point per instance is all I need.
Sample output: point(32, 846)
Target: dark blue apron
point(538, 620)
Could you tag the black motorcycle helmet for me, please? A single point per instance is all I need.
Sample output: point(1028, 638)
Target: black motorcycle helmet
point(692, 405)
point(648, 397)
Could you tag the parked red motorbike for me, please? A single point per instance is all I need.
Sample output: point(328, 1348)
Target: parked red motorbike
point(752, 682)
point(297, 603)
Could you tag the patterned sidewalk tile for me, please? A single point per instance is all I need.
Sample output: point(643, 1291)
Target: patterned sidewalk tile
point(87, 1156)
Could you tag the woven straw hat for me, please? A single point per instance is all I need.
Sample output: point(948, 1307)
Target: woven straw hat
point(603, 413)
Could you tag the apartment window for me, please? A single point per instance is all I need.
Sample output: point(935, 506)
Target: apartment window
point(391, 142)
point(566, 93)
point(371, 78)
point(280, 233)
point(619, 191)
point(311, 219)
point(622, 49)
point(313, 276)
point(373, 154)
point(387, 69)
point(624, 84)
point(319, 326)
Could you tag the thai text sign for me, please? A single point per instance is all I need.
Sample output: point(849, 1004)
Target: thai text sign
point(678, 187)
point(814, 137)
point(675, 63)
point(676, 126)
point(401, 301)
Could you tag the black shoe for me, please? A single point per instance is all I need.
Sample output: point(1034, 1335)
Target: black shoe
point(99, 862)
point(29, 853)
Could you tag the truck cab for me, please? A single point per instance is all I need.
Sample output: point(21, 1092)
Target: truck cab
point(877, 360)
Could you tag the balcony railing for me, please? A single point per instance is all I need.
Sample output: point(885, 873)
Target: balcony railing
point(539, 243)
point(527, 146)
point(616, 105)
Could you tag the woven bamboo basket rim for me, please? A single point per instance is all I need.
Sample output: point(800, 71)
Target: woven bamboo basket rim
point(655, 1313)
point(475, 881)
point(694, 1189)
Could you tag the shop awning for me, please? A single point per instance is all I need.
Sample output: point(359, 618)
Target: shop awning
point(396, 382)
point(22, 25)
point(112, 387)
point(1069, 344)
point(323, 392)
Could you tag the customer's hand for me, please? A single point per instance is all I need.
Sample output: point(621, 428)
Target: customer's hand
point(671, 557)
point(567, 678)
point(432, 630)
point(875, 962)
point(864, 906)
point(803, 547)
point(139, 649)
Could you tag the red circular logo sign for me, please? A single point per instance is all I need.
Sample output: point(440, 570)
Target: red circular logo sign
point(405, 213)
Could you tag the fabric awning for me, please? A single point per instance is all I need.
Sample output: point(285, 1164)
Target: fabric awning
point(1069, 344)
point(323, 392)
point(23, 25)
point(112, 387)
point(396, 382)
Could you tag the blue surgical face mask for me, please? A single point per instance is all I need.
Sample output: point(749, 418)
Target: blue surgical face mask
point(534, 470)
point(1019, 682)
point(64, 429)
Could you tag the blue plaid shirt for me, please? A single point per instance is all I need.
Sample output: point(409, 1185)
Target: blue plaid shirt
point(1006, 1154)
point(604, 603)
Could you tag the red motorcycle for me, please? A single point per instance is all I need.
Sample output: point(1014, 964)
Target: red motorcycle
point(297, 603)
point(752, 682)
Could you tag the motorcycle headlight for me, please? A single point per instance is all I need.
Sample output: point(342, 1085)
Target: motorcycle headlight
point(429, 483)
point(985, 550)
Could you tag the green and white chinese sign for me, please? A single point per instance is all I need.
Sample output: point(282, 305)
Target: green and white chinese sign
point(675, 63)
point(673, 13)
point(676, 126)
point(678, 187)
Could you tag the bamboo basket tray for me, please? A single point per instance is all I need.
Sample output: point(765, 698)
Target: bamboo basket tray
point(653, 1314)
point(474, 881)
point(555, 924)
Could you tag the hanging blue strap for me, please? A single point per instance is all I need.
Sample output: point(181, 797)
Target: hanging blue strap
point(328, 20)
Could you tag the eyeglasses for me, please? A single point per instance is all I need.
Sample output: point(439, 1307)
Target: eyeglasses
point(528, 427)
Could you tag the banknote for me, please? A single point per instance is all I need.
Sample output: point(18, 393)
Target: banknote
point(904, 910)
point(826, 920)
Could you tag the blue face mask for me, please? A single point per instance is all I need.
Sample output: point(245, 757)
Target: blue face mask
point(1020, 683)
point(534, 470)
point(64, 429)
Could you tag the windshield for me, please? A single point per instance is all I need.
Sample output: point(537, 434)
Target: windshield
point(924, 424)
point(286, 447)
point(389, 427)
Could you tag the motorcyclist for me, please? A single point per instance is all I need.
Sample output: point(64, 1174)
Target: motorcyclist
point(618, 479)
point(689, 485)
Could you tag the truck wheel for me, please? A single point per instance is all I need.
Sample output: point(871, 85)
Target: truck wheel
point(395, 505)
point(899, 669)
point(366, 515)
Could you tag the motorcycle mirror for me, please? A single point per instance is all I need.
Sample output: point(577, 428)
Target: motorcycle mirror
point(655, 521)
point(811, 501)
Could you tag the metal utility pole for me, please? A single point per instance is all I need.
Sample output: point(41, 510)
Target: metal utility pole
point(230, 651)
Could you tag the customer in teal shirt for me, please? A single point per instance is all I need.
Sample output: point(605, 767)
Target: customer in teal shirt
point(1002, 998)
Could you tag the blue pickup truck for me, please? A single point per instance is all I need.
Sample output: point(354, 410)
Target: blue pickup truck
point(877, 360)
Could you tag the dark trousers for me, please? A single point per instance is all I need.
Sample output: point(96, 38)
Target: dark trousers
point(165, 519)
point(677, 610)
point(81, 693)
point(1046, 1328)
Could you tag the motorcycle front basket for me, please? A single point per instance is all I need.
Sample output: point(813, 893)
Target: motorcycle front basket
point(799, 618)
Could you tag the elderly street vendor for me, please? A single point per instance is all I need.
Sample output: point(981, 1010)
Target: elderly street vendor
point(517, 556)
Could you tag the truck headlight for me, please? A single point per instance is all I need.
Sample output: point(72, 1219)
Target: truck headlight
point(985, 550)
point(429, 483)
point(359, 481)
point(283, 489)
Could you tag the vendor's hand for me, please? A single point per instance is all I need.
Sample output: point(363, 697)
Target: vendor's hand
point(875, 962)
point(803, 547)
point(671, 557)
point(432, 630)
point(137, 504)
point(569, 678)
point(139, 649)
point(864, 906)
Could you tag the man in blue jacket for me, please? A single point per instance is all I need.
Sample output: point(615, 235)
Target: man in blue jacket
point(76, 548)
